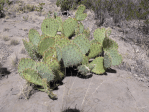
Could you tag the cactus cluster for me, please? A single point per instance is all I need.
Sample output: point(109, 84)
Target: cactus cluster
point(49, 50)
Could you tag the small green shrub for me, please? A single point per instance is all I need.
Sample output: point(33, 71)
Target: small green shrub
point(6, 38)
point(40, 7)
point(14, 42)
point(2, 2)
point(67, 4)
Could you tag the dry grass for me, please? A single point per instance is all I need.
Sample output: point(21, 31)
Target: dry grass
point(15, 62)
point(5, 29)
point(19, 7)
point(23, 51)
point(14, 42)
point(25, 18)
point(6, 38)
point(25, 29)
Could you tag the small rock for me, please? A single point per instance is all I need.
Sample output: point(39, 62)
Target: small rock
point(108, 22)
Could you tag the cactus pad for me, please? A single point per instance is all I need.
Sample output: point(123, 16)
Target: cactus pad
point(45, 43)
point(71, 55)
point(26, 63)
point(99, 34)
point(44, 71)
point(34, 36)
point(99, 68)
point(79, 16)
point(49, 27)
point(32, 76)
point(109, 44)
point(84, 69)
point(51, 52)
point(107, 61)
point(95, 49)
point(82, 42)
point(79, 29)
point(59, 20)
point(53, 63)
point(116, 58)
point(31, 49)
point(69, 26)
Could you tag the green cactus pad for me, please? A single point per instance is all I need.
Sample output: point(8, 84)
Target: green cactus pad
point(99, 35)
point(30, 48)
point(57, 68)
point(49, 27)
point(59, 53)
point(85, 60)
point(59, 20)
point(69, 27)
point(34, 36)
point(71, 55)
point(57, 36)
point(109, 44)
point(53, 63)
point(99, 68)
point(32, 76)
point(95, 49)
point(26, 63)
point(42, 36)
point(84, 69)
point(79, 16)
point(47, 89)
point(116, 58)
point(50, 52)
point(82, 42)
point(79, 29)
point(94, 41)
point(80, 9)
point(107, 60)
point(45, 44)
point(60, 43)
point(44, 71)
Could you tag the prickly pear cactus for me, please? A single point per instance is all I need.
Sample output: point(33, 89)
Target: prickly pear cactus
point(49, 50)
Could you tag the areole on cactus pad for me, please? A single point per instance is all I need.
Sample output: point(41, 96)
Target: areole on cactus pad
point(50, 49)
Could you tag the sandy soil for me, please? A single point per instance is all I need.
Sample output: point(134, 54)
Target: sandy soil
point(115, 91)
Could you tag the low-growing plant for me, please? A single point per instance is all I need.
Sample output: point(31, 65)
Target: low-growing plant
point(6, 38)
point(27, 8)
point(2, 2)
point(14, 42)
point(25, 18)
point(15, 62)
point(51, 53)
point(40, 7)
